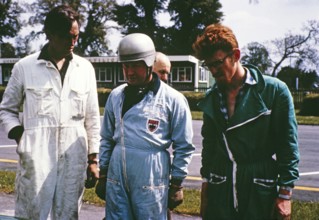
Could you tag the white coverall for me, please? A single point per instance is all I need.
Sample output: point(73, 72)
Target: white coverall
point(61, 127)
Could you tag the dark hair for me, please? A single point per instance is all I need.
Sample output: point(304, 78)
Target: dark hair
point(60, 19)
point(215, 37)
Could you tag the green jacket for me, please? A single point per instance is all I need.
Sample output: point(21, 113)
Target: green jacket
point(263, 130)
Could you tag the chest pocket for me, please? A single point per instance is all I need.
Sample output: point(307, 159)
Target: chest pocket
point(78, 100)
point(40, 101)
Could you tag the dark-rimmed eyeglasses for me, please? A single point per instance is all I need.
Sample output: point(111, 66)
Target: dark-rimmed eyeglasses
point(216, 63)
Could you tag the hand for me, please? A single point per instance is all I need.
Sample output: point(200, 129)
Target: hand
point(92, 174)
point(100, 188)
point(283, 209)
point(175, 196)
point(204, 199)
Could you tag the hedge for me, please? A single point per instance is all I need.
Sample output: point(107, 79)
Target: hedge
point(103, 94)
point(310, 105)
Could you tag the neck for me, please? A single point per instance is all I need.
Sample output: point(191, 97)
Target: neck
point(54, 55)
point(238, 80)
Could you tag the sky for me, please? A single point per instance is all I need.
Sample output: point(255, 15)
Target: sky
point(258, 20)
point(267, 19)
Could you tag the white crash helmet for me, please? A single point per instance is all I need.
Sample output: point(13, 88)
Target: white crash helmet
point(136, 47)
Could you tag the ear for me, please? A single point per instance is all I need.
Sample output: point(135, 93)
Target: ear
point(236, 54)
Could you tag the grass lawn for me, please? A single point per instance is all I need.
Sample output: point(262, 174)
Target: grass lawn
point(190, 206)
point(302, 120)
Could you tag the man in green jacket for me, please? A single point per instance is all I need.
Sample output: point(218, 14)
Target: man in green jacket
point(250, 149)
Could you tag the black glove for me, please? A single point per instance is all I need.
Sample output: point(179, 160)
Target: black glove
point(100, 188)
point(175, 194)
point(90, 181)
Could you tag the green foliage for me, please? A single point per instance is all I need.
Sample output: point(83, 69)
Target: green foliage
point(257, 55)
point(103, 94)
point(94, 14)
point(139, 16)
point(310, 105)
point(7, 181)
point(305, 210)
point(7, 50)
point(191, 203)
point(90, 197)
point(193, 98)
point(9, 19)
point(189, 18)
point(306, 79)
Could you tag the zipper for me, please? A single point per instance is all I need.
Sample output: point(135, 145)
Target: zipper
point(268, 112)
point(123, 145)
point(231, 156)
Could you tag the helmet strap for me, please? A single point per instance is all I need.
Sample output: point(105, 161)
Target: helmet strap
point(148, 75)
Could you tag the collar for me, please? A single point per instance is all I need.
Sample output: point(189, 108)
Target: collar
point(249, 79)
point(44, 54)
point(153, 86)
point(155, 83)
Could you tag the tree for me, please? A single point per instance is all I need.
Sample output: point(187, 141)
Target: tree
point(140, 16)
point(189, 18)
point(9, 22)
point(94, 14)
point(257, 54)
point(289, 75)
point(297, 78)
point(297, 46)
point(7, 50)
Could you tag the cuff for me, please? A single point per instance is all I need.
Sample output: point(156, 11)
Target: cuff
point(176, 182)
point(16, 132)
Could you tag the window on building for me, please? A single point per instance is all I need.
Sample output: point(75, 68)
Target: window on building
point(181, 74)
point(120, 74)
point(203, 74)
point(103, 74)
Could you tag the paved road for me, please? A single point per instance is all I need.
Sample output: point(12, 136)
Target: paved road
point(307, 188)
point(309, 151)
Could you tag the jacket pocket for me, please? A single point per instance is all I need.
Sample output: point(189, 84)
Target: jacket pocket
point(216, 179)
point(78, 104)
point(265, 187)
point(40, 102)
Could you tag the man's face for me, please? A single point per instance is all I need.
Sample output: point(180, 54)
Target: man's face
point(63, 44)
point(135, 73)
point(221, 66)
point(162, 71)
point(162, 67)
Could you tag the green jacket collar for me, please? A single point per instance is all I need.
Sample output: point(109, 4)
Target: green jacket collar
point(251, 107)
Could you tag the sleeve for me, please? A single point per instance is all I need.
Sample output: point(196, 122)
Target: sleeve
point(287, 151)
point(92, 117)
point(107, 132)
point(12, 100)
point(207, 144)
point(182, 136)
